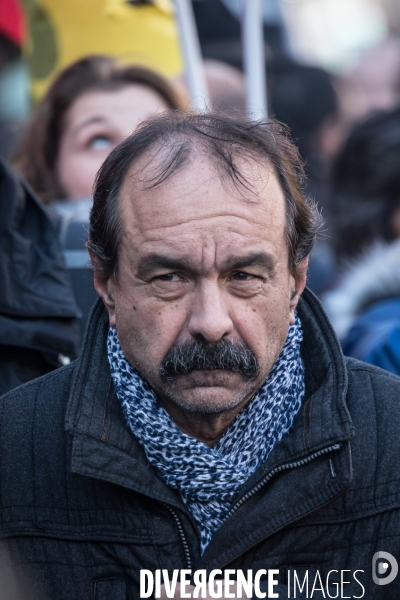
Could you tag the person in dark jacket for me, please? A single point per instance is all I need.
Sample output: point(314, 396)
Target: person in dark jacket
point(364, 304)
point(39, 329)
point(211, 424)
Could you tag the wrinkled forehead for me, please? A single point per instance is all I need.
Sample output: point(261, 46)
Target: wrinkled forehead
point(177, 187)
point(243, 173)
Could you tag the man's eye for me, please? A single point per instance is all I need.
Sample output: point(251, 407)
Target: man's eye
point(241, 276)
point(100, 142)
point(169, 277)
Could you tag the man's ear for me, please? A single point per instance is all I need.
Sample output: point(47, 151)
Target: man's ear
point(104, 287)
point(299, 280)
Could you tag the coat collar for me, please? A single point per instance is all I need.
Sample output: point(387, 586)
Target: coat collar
point(103, 445)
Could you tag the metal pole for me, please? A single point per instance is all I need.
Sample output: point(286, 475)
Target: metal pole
point(190, 46)
point(254, 59)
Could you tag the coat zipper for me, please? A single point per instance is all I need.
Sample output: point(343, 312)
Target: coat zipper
point(181, 535)
point(277, 470)
point(286, 467)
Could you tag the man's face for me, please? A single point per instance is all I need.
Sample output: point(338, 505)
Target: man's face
point(202, 260)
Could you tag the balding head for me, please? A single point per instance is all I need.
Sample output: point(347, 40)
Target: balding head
point(226, 141)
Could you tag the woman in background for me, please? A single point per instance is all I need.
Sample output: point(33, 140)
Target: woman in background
point(91, 106)
point(87, 111)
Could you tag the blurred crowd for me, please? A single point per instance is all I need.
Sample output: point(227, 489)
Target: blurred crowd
point(346, 126)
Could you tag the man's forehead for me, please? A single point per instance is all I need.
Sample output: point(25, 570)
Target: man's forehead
point(199, 185)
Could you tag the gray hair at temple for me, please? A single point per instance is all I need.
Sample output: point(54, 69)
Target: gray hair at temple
point(226, 139)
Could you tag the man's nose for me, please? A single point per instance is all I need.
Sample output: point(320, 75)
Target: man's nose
point(209, 315)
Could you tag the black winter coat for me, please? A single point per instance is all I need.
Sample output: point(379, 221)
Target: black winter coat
point(82, 510)
point(39, 329)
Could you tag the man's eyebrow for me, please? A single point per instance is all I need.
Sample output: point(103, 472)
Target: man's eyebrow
point(255, 259)
point(150, 262)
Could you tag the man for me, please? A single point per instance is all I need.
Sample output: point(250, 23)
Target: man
point(211, 422)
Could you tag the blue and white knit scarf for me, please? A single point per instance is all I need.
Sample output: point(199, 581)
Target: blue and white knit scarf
point(209, 478)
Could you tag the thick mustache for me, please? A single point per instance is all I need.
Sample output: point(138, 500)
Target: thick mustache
point(199, 355)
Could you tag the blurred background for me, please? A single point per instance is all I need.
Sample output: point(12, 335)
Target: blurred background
point(76, 77)
point(355, 42)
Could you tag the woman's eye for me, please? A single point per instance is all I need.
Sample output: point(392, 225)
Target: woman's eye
point(100, 142)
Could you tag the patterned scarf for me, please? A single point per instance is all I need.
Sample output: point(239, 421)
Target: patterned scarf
point(209, 478)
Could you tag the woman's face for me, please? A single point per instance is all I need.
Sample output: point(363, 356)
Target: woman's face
point(95, 123)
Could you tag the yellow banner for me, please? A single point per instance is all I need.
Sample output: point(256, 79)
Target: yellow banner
point(62, 31)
